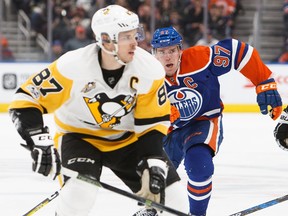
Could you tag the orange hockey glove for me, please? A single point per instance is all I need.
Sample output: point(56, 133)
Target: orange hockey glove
point(267, 95)
point(175, 114)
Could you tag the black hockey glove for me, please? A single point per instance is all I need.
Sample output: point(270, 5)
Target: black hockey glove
point(153, 172)
point(46, 159)
point(281, 130)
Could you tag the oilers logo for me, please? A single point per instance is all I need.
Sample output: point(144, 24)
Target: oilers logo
point(188, 101)
point(107, 111)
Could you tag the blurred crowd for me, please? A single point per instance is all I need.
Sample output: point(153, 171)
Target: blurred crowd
point(6, 52)
point(71, 19)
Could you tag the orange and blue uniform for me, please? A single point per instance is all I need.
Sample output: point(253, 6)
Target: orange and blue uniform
point(195, 91)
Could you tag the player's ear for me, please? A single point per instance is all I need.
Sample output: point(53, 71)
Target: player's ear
point(108, 45)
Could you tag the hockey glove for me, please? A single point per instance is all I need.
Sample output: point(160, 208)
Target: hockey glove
point(175, 115)
point(153, 172)
point(46, 159)
point(267, 95)
point(281, 130)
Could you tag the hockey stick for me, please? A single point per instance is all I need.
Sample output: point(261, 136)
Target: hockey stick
point(42, 204)
point(146, 202)
point(261, 206)
point(76, 175)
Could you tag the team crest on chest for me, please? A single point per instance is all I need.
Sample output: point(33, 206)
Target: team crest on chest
point(108, 112)
point(187, 100)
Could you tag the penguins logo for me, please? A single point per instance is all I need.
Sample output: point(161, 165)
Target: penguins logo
point(107, 112)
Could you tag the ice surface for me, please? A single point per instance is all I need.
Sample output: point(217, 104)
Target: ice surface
point(249, 169)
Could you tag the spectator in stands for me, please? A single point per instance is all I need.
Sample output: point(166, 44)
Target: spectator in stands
point(145, 44)
point(175, 19)
point(123, 3)
point(193, 18)
point(239, 9)
point(61, 25)
point(209, 40)
point(229, 6)
point(80, 40)
point(165, 9)
point(216, 22)
point(283, 58)
point(144, 13)
point(227, 11)
point(57, 49)
point(285, 18)
point(24, 5)
point(134, 4)
point(79, 16)
point(187, 16)
point(6, 52)
point(38, 21)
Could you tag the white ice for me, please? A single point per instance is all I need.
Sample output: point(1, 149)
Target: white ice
point(250, 169)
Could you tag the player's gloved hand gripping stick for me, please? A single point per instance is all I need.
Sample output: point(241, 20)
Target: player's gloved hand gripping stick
point(153, 172)
point(267, 95)
point(46, 159)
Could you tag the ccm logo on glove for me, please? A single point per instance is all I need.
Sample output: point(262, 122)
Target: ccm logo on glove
point(266, 87)
point(267, 95)
point(46, 159)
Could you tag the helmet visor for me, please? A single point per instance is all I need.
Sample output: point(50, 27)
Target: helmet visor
point(126, 36)
point(140, 33)
point(132, 35)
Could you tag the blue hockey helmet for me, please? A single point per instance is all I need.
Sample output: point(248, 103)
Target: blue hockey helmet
point(164, 37)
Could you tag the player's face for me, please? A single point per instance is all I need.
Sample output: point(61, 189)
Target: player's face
point(127, 43)
point(169, 58)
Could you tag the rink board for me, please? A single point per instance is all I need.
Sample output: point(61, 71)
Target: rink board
point(237, 92)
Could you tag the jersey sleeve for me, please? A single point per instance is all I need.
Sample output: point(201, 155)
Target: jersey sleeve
point(152, 111)
point(231, 54)
point(249, 63)
point(46, 91)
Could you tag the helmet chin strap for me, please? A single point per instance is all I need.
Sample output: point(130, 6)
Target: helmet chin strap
point(119, 60)
point(114, 53)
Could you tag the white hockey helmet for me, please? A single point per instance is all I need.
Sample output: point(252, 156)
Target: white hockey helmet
point(108, 22)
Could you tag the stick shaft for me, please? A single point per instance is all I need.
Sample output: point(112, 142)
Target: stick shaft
point(95, 182)
point(261, 206)
point(42, 204)
point(142, 200)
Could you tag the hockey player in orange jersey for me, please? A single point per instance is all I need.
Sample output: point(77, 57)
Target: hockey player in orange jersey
point(110, 108)
point(194, 93)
